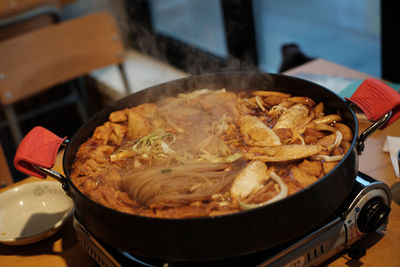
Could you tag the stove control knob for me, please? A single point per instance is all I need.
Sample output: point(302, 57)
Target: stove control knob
point(372, 215)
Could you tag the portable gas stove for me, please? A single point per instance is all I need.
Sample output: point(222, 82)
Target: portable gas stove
point(365, 211)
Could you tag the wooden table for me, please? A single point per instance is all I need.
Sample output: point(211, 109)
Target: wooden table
point(375, 163)
point(63, 249)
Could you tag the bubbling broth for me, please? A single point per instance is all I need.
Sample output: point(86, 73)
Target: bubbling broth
point(209, 153)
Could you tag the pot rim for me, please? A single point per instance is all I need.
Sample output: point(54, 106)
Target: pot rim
point(113, 107)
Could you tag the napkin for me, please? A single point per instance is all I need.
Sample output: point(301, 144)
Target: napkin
point(392, 145)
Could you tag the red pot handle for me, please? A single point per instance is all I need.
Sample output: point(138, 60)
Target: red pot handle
point(39, 147)
point(376, 99)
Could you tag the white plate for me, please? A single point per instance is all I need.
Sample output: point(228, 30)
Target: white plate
point(33, 211)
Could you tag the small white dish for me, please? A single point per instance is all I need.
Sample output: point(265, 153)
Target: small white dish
point(33, 211)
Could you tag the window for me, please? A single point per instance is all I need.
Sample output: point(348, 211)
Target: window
point(198, 23)
point(195, 35)
point(217, 35)
point(345, 32)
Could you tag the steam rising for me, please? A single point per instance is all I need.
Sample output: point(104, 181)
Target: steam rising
point(186, 57)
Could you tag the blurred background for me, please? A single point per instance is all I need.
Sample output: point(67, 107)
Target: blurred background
point(169, 39)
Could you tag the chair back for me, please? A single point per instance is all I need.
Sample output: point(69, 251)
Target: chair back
point(37, 60)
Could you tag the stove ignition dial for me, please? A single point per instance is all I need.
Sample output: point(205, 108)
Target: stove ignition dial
point(372, 215)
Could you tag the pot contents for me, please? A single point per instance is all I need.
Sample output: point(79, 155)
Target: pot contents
point(209, 153)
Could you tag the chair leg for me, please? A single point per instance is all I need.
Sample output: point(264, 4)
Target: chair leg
point(82, 110)
point(13, 123)
point(81, 90)
point(124, 77)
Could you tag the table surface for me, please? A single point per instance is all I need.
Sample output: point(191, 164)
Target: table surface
point(63, 248)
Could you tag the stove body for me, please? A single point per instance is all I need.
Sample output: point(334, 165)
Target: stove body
point(365, 211)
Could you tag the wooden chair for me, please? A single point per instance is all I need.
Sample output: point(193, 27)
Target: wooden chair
point(37, 60)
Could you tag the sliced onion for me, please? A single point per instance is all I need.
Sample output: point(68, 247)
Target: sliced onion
point(276, 110)
point(166, 148)
point(296, 136)
point(307, 120)
point(232, 157)
point(282, 194)
point(328, 119)
point(339, 136)
point(327, 158)
point(174, 126)
point(260, 103)
point(338, 140)
point(325, 127)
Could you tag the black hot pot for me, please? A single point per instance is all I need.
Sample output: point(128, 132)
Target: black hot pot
point(216, 237)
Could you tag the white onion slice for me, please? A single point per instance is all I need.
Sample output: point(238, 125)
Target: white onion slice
point(166, 148)
point(327, 158)
point(328, 119)
point(338, 140)
point(339, 136)
point(260, 103)
point(282, 194)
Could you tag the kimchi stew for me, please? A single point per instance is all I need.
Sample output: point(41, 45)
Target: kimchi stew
point(209, 153)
